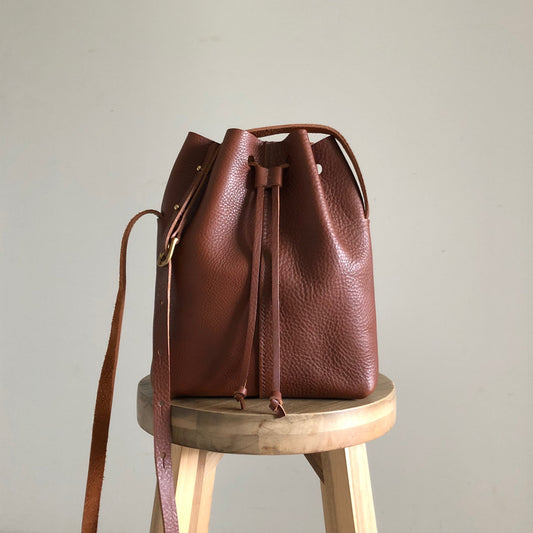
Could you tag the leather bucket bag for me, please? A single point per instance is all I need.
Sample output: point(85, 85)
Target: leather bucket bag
point(264, 285)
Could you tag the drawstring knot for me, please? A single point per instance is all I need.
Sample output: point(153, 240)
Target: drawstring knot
point(239, 395)
point(276, 404)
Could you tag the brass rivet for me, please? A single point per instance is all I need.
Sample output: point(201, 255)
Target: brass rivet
point(198, 168)
point(176, 207)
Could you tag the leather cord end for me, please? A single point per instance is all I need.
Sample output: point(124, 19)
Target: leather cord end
point(239, 396)
point(276, 404)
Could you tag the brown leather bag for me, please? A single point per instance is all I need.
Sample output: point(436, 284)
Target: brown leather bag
point(264, 284)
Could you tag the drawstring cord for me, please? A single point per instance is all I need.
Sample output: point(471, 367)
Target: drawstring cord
point(264, 178)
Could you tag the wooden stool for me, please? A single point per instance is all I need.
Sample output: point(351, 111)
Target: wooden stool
point(331, 433)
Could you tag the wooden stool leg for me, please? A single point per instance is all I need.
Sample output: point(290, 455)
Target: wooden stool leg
point(194, 476)
point(346, 490)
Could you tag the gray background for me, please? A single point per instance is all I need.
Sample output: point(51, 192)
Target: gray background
point(436, 98)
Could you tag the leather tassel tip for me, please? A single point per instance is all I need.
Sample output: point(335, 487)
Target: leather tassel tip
point(239, 396)
point(276, 404)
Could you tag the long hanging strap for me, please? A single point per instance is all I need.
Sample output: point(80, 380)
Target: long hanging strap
point(104, 397)
point(160, 373)
point(160, 376)
point(104, 401)
point(160, 369)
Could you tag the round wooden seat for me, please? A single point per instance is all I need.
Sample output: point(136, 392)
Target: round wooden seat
point(219, 425)
point(331, 433)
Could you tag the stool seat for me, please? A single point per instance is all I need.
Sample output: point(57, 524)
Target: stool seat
point(330, 433)
point(310, 426)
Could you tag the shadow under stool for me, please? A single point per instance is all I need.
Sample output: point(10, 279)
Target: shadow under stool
point(330, 433)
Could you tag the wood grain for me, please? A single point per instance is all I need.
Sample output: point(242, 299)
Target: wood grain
point(194, 478)
point(311, 425)
point(346, 490)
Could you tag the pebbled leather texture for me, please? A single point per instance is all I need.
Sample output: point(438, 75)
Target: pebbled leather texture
point(328, 325)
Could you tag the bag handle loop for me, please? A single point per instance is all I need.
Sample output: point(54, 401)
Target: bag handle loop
point(319, 128)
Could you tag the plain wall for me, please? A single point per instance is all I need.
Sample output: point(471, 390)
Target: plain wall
point(436, 99)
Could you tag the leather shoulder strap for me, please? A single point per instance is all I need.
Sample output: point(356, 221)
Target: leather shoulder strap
point(160, 370)
point(318, 128)
point(104, 397)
